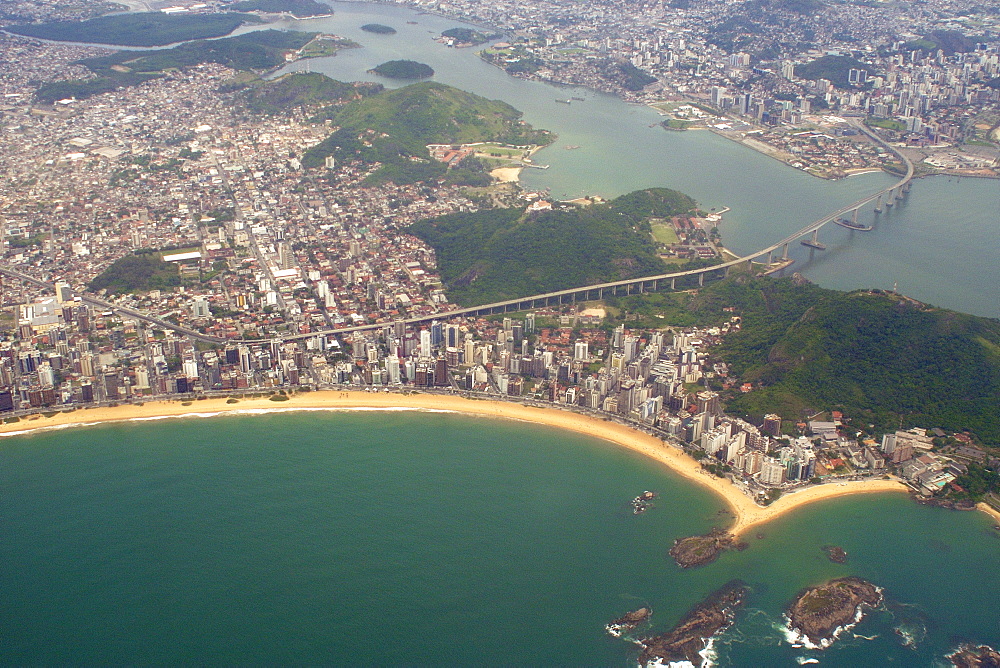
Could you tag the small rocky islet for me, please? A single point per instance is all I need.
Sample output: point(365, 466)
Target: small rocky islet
point(692, 634)
point(837, 555)
point(628, 621)
point(819, 613)
point(700, 550)
point(975, 656)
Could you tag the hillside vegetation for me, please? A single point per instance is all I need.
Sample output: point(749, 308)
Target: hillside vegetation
point(301, 89)
point(505, 253)
point(880, 358)
point(949, 41)
point(832, 68)
point(139, 29)
point(261, 50)
point(137, 273)
point(411, 118)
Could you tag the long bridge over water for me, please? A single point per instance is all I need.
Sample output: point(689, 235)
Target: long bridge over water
point(883, 198)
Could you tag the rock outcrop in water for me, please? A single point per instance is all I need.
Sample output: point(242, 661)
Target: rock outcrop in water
point(628, 621)
point(837, 555)
point(701, 550)
point(970, 656)
point(819, 613)
point(692, 634)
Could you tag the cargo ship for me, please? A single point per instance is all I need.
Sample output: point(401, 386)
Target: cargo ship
point(851, 225)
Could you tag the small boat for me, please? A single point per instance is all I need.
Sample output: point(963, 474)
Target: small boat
point(851, 225)
point(564, 101)
point(578, 99)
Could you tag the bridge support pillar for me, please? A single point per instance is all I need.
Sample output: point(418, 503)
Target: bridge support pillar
point(878, 204)
point(815, 236)
point(784, 252)
point(701, 280)
point(673, 283)
point(855, 217)
point(906, 186)
point(600, 293)
point(654, 286)
point(770, 258)
point(890, 198)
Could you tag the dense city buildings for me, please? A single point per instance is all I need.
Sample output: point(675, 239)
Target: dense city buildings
point(268, 259)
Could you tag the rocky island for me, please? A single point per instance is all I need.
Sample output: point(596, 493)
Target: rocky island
point(971, 656)
point(819, 613)
point(701, 550)
point(837, 555)
point(693, 632)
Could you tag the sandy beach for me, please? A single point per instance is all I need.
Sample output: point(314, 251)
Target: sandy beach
point(506, 174)
point(989, 510)
point(747, 514)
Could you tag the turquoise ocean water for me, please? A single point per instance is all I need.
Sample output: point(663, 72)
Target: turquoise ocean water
point(404, 537)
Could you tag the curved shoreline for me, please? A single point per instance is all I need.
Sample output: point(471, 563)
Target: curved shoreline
point(747, 514)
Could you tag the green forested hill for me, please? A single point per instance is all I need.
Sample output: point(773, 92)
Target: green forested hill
point(136, 273)
point(301, 89)
point(139, 29)
point(501, 254)
point(412, 117)
point(880, 358)
point(832, 68)
point(259, 50)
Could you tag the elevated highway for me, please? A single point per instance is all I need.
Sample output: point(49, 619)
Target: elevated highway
point(885, 197)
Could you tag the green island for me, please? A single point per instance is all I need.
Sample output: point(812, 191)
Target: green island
point(140, 29)
point(835, 69)
point(255, 51)
point(467, 36)
point(297, 8)
point(378, 29)
point(403, 69)
point(499, 254)
point(298, 90)
point(394, 127)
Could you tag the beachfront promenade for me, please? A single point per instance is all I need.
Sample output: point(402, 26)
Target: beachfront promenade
point(885, 197)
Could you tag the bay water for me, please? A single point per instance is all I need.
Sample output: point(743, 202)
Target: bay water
point(939, 246)
point(429, 538)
